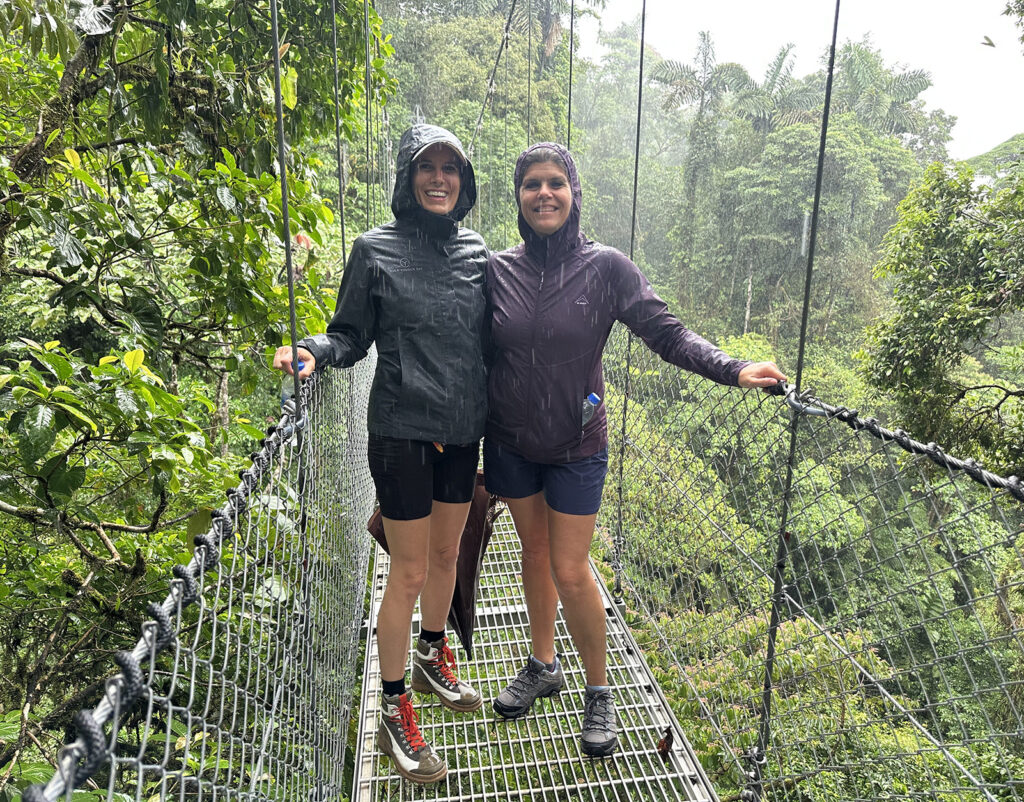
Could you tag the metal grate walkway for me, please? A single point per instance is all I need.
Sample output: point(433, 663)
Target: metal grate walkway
point(536, 758)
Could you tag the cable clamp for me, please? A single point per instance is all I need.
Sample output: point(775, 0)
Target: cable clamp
point(801, 402)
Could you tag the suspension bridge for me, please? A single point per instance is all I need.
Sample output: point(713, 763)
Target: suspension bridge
point(802, 604)
point(246, 682)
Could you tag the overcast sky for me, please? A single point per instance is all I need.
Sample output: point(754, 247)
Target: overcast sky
point(980, 85)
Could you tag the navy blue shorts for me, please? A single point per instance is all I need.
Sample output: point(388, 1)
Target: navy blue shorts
point(572, 488)
point(410, 475)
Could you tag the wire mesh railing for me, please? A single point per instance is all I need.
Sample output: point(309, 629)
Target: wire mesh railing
point(874, 649)
point(241, 684)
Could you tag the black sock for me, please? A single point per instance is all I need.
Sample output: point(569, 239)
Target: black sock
point(431, 637)
point(395, 688)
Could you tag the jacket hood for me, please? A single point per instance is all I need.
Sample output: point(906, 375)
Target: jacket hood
point(403, 201)
point(568, 236)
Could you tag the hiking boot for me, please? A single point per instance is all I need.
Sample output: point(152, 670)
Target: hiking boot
point(433, 671)
point(399, 738)
point(599, 730)
point(533, 682)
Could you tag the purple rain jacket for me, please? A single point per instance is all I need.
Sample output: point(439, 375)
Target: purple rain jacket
point(553, 302)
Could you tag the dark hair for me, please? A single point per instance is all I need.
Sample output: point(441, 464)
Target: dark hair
point(539, 155)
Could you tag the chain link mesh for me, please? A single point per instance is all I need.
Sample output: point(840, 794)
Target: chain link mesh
point(874, 649)
point(252, 662)
point(896, 669)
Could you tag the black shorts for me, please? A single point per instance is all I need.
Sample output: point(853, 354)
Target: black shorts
point(412, 474)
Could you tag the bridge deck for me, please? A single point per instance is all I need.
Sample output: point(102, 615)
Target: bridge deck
point(536, 758)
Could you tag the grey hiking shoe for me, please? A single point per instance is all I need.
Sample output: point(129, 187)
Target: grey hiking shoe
point(533, 682)
point(433, 671)
point(599, 728)
point(399, 738)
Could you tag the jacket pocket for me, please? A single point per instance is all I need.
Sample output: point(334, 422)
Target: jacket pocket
point(557, 421)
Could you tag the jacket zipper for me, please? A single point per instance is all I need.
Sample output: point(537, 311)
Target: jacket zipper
point(533, 338)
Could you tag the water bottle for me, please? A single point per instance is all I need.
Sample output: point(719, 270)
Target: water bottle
point(590, 406)
point(288, 383)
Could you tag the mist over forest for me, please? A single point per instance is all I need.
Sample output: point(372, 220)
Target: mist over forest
point(725, 189)
point(144, 286)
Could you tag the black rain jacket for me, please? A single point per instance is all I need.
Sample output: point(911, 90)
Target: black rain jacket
point(553, 302)
point(415, 287)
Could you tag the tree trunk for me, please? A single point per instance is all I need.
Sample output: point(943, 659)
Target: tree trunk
point(172, 385)
point(750, 295)
point(222, 416)
point(29, 163)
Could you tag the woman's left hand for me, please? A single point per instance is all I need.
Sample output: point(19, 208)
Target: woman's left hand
point(760, 374)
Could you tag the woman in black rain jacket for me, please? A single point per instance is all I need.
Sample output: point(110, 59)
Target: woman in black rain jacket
point(415, 287)
point(553, 301)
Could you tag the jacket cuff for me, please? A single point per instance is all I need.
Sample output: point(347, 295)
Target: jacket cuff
point(311, 345)
point(735, 368)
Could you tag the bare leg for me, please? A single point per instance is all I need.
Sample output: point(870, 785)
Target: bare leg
point(570, 537)
point(408, 542)
point(446, 524)
point(530, 516)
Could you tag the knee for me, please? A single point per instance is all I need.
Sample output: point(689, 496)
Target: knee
point(407, 579)
point(445, 556)
point(572, 580)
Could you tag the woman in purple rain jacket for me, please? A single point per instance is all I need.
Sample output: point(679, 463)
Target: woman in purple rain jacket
point(553, 301)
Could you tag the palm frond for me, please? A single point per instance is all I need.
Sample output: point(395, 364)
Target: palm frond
point(780, 70)
point(908, 85)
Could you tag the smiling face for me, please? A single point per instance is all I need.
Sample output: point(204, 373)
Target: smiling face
point(436, 180)
point(545, 197)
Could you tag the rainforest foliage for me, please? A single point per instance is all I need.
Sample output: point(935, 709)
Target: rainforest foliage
point(142, 277)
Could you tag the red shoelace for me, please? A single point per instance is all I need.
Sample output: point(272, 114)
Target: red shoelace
point(445, 662)
point(407, 721)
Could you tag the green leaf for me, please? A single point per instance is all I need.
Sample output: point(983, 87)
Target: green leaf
point(57, 365)
point(167, 402)
point(37, 433)
point(289, 88)
point(65, 483)
point(126, 401)
point(142, 390)
point(200, 521)
point(89, 181)
point(226, 198)
point(10, 725)
point(253, 432)
point(67, 246)
point(33, 772)
point(78, 415)
point(133, 359)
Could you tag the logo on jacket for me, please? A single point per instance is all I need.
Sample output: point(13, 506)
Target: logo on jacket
point(582, 300)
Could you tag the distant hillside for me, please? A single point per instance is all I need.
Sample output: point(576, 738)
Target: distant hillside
point(995, 161)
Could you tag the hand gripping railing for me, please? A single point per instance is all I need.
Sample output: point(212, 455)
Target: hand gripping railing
point(871, 649)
